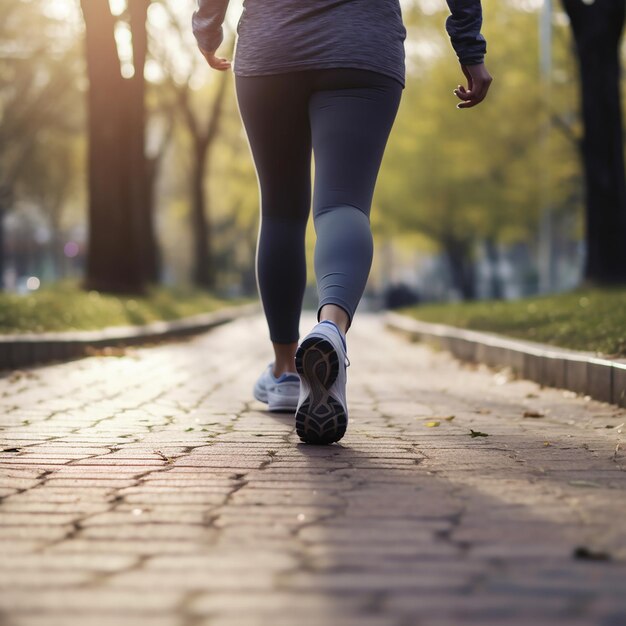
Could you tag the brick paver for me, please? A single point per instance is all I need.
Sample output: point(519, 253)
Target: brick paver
point(152, 489)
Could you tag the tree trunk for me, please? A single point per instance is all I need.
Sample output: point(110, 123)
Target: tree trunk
point(203, 275)
point(493, 256)
point(121, 255)
point(597, 31)
point(112, 259)
point(2, 252)
point(152, 165)
point(6, 197)
point(204, 140)
point(458, 253)
point(141, 197)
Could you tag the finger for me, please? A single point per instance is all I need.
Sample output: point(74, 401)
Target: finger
point(468, 104)
point(472, 101)
point(218, 63)
point(461, 93)
point(479, 92)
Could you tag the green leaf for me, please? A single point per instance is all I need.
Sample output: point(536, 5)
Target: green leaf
point(584, 483)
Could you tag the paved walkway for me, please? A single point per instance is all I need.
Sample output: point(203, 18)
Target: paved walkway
point(149, 488)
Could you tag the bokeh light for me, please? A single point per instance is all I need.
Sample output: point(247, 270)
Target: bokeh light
point(32, 283)
point(71, 249)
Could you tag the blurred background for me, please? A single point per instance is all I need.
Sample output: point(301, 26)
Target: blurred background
point(123, 162)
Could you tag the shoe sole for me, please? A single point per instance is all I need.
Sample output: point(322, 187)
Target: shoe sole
point(321, 419)
point(278, 403)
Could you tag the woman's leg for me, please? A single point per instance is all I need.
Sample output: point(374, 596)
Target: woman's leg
point(275, 115)
point(351, 112)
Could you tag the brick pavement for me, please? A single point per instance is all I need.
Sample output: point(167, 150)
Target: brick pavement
point(150, 488)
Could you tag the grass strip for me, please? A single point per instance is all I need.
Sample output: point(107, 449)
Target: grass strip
point(65, 307)
point(592, 320)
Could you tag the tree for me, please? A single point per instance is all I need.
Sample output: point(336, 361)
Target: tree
point(203, 130)
point(38, 94)
point(203, 138)
point(122, 248)
point(597, 28)
point(468, 179)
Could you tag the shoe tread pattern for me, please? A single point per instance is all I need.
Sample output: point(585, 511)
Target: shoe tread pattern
point(321, 419)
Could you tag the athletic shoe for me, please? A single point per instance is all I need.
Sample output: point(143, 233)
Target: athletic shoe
point(321, 361)
point(280, 394)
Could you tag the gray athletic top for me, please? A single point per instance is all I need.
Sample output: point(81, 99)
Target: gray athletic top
point(277, 36)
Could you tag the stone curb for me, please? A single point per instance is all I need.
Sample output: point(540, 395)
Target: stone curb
point(25, 349)
point(582, 372)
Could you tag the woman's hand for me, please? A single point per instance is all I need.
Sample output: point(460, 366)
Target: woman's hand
point(478, 81)
point(217, 63)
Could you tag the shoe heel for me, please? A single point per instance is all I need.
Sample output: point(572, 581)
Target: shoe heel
point(317, 361)
point(319, 422)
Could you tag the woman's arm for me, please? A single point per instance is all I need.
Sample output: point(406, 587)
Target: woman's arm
point(463, 27)
point(207, 24)
point(207, 27)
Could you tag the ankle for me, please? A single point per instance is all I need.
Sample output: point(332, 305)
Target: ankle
point(336, 315)
point(284, 369)
point(284, 358)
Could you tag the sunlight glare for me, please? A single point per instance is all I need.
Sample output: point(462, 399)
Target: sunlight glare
point(117, 6)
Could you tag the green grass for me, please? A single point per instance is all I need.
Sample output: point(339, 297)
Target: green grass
point(64, 306)
point(587, 319)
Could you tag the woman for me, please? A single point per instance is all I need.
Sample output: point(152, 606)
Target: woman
point(323, 76)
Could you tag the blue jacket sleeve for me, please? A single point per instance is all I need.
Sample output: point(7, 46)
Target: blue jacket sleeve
point(463, 27)
point(207, 23)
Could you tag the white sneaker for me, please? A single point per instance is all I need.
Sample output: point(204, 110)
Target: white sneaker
point(280, 394)
point(321, 361)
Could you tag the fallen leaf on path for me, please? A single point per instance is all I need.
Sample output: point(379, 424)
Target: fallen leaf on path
point(477, 433)
point(584, 553)
point(16, 376)
point(166, 458)
point(108, 351)
point(449, 418)
point(584, 483)
point(533, 414)
point(546, 444)
point(432, 424)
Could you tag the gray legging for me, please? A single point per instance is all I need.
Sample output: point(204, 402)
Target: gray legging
point(345, 116)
